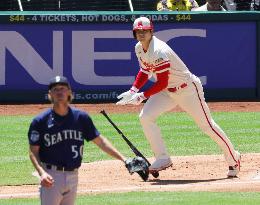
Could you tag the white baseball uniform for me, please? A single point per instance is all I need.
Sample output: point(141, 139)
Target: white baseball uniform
point(183, 89)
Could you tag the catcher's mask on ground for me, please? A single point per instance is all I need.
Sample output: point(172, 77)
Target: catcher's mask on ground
point(142, 23)
point(59, 80)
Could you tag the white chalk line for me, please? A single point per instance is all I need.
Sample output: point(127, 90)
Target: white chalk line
point(150, 187)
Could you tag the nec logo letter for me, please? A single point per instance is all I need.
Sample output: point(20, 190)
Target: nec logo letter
point(28, 57)
point(83, 55)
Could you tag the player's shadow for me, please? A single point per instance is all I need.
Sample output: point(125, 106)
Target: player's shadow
point(182, 181)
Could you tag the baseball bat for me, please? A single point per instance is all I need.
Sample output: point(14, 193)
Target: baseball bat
point(133, 148)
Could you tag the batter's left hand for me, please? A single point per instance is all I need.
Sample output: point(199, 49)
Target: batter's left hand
point(136, 99)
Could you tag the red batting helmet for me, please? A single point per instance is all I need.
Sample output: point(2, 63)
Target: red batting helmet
point(142, 23)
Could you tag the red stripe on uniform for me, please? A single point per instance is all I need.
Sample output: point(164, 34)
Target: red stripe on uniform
point(162, 63)
point(145, 69)
point(167, 65)
point(211, 125)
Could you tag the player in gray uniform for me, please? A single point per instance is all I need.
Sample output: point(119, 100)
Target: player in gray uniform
point(56, 139)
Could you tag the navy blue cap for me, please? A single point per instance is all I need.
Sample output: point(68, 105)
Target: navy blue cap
point(61, 80)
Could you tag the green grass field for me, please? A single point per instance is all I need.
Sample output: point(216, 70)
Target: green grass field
point(181, 135)
point(155, 198)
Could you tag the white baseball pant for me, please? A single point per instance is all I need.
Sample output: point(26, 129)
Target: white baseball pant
point(191, 100)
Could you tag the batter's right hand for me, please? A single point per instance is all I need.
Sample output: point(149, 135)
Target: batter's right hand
point(125, 97)
point(46, 180)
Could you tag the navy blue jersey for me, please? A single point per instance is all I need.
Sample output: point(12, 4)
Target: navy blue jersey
point(61, 138)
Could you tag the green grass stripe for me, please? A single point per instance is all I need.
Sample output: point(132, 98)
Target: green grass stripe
point(155, 198)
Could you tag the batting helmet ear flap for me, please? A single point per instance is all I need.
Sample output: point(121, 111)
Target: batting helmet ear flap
point(134, 34)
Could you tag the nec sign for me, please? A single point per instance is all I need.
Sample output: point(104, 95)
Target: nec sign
point(82, 58)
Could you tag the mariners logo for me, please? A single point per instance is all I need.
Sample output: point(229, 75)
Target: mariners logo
point(34, 136)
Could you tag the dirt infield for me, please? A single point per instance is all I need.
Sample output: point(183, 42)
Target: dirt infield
point(189, 173)
point(94, 108)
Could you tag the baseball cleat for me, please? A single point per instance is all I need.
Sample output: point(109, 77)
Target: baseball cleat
point(160, 164)
point(234, 170)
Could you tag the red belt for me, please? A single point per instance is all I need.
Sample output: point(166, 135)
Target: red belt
point(177, 88)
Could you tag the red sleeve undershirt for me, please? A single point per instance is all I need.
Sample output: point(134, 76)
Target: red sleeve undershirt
point(161, 83)
point(140, 80)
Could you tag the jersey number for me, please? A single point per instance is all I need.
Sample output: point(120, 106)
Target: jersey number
point(76, 152)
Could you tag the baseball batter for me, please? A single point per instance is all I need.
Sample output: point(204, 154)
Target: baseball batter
point(175, 85)
point(56, 139)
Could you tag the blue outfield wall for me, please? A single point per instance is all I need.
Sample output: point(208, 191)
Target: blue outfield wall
point(95, 51)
